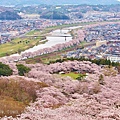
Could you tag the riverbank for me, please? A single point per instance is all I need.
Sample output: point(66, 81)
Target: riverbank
point(27, 41)
point(32, 39)
point(75, 42)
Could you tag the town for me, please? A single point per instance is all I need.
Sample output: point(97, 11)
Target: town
point(27, 18)
point(107, 43)
point(18, 28)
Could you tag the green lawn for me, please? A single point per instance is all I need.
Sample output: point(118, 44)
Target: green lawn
point(34, 32)
point(75, 76)
point(71, 74)
point(19, 44)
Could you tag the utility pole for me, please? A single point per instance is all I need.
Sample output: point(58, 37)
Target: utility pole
point(65, 38)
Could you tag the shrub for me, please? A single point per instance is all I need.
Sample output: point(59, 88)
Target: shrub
point(110, 71)
point(96, 88)
point(5, 70)
point(22, 69)
point(101, 80)
point(81, 77)
point(118, 68)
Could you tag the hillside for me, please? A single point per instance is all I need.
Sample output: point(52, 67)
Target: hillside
point(54, 15)
point(94, 97)
point(8, 15)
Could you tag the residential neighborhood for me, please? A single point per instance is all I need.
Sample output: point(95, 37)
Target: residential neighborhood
point(103, 32)
point(107, 39)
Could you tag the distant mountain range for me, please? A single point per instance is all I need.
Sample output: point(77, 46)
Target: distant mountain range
point(54, 2)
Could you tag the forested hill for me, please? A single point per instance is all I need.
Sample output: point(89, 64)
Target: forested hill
point(8, 15)
point(54, 15)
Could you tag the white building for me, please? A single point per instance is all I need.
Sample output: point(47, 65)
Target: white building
point(114, 58)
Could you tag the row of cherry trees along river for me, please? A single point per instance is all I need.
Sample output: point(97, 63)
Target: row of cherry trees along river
point(54, 48)
point(74, 42)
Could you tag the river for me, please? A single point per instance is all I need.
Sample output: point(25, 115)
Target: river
point(54, 39)
point(57, 37)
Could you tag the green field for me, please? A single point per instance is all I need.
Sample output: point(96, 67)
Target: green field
point(34, 32)
point(71, 74)
point(17, 45)
point(74, 75)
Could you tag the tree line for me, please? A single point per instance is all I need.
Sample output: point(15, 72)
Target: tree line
point(98, 62)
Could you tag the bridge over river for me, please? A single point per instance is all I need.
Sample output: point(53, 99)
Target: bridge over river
point(50, 35)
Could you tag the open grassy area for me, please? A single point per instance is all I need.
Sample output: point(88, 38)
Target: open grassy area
point(44, 58)
point(34, 32)
point(19, 44)
point(73, 75)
